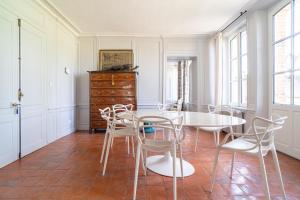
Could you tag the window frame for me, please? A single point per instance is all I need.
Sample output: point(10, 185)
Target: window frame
point(292, 69)
point(238, 34)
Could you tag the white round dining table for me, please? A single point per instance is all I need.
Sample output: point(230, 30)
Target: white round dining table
point(162, 164)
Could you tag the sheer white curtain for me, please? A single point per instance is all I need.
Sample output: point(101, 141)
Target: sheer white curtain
point(215, 71)
point(219, 69)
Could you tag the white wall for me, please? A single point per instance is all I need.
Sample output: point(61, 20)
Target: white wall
point(150, 53)
point(60, 49)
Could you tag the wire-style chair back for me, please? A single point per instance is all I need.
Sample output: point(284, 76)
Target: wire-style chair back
point(173, 127)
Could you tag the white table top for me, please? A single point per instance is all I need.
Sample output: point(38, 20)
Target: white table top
point(191, 118)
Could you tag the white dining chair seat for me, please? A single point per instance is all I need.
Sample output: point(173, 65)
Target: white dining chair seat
point(241, 144)
point(124, 132)
point(157, 145)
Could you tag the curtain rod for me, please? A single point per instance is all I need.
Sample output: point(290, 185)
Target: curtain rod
point(241, 14)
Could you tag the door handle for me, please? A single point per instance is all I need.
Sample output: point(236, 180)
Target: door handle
point(15, 104)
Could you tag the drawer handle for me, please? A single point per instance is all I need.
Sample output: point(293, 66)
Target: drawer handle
point(112, 80)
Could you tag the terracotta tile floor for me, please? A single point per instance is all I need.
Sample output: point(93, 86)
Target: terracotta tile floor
point(69, 169)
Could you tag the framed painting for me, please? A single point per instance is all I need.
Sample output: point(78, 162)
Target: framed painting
point(111, 59)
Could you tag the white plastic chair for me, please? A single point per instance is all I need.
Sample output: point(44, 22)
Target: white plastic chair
point(164, 145)
point(116, 129)
point(257, 141)
point(118, 108)
point(221, 109)
point(177, 106)
point(161, 107)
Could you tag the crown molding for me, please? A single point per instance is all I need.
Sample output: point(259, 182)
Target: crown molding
point(55, 12)
point(165, 36)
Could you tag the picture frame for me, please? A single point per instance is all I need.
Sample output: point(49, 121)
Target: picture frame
point(109, 58)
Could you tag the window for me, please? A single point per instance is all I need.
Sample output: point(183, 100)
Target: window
point(238, 69)
point(286, 54)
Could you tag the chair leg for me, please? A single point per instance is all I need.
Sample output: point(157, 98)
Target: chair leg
point(128, 145)
point(215, 137)
point(275, 159)
point(214, 169)
point(112, 143)
point(143, 162)
point(110, 139)
point(218, 138)
point(264, 173)
point(174, 171)
point(132, 142)
point(232, 163)
point(181, 163)
point(104, 146)
point(196, 142)
point(136, 172)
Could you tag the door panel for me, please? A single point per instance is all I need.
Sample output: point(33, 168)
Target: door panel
point(32, 133)
point(282, 138)
point(8, 88)
point(287, 139)
point(296, 128)
point(32, 86)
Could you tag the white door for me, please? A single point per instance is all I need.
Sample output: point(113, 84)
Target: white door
point(9, 123)
point(33, 119)
point(284, 81)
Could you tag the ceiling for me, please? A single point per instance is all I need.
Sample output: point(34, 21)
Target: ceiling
point(148, 17)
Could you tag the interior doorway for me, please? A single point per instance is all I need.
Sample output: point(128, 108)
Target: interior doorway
point(181, 80)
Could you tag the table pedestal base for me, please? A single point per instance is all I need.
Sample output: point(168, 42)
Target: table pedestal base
point(163, 165)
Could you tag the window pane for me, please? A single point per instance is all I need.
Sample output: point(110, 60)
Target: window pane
point(244, 42)
point(233, 48)
point(282, 23)
point(234, 70)
point(234, 92)
point(282, 88)
point(244, 91)
point(297, 88)
point(282, 57)
point(297, 16)
point(244, 67)
point(297, 52)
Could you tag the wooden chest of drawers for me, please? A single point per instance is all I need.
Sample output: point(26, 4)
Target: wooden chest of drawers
point(107, 89)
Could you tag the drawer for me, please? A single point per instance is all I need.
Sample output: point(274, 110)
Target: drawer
point(95, 116)
point(112, 100)
point(122, 84)
point(98, 124)
point(113, 76)
point(112, 92)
